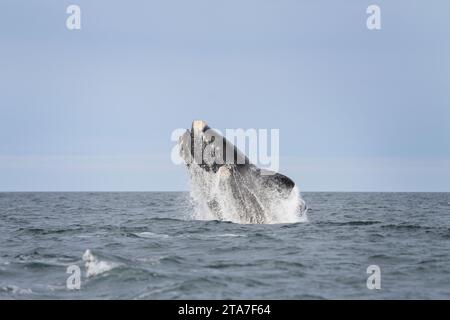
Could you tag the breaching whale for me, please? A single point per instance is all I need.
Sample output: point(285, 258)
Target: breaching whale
point(227, 184)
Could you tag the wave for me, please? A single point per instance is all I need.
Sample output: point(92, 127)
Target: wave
point(48, 231)
point(214, 236)
point(147, 234)
point(405, 226)
point(16, 290)
point(164, 219)
point(226, 235)
point(349, 223)
point(94, 266)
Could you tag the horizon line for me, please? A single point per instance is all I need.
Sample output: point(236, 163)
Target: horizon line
point(184, 191)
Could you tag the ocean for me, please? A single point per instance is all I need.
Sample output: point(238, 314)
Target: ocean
point(146, 245)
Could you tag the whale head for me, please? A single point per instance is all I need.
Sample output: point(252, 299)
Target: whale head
point(208, 149)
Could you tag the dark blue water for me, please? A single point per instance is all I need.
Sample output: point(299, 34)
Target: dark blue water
point(146, 247)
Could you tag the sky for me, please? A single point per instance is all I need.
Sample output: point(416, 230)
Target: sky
point(93, 109)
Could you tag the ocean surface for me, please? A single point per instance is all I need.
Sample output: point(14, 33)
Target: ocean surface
point(146, 246)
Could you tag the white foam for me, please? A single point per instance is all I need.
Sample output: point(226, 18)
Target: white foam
point(17, 290)
point(151, 260)
point(232, 235)
point(147, 234)
point(94, 266)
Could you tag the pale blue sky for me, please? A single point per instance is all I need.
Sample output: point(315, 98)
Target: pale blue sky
point(93, 109)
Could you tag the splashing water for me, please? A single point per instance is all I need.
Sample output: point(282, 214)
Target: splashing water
point(94, 266)
point(213, 198)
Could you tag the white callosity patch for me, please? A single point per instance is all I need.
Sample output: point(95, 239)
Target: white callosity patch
point(227, 195)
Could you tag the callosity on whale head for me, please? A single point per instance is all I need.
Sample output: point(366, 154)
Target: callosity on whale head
point(228, 185)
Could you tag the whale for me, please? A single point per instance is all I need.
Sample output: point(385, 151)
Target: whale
point(226, 181)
